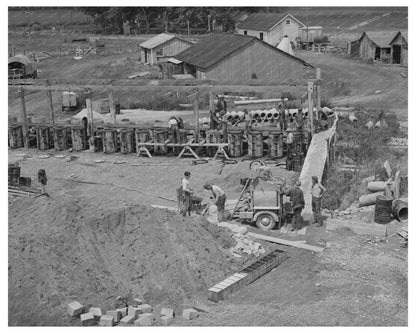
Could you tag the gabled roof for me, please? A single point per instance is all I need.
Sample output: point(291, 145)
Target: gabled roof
point(159, 40)
point(404, 35)
point(210, 50)
point(20, 58)
point(380, 38)
point(264, 21)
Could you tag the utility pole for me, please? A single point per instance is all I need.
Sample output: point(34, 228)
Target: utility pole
point(211, 110)
point(90, 123)
point(318, 89)
point(112, 106)
point(310, 108)
point(49, 96)
point(21, 94)
point(196, 111)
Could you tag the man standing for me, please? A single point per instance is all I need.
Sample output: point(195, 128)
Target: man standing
point(219, 197)
point(298, 203)
point(187, 194)
point(317, 193)
point(173, 126)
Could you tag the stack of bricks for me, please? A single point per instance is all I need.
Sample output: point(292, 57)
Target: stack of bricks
point(246, 276)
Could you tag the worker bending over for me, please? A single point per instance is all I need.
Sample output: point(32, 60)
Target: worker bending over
point(318, 192)
point(219, 197)
point(298, 203)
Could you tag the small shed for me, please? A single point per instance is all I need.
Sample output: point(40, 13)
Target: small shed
point(270, 27)
point(21, 67)
point(161, 48)
point(399, 48)
point(233, 57)
point(308, 34)
point(375, 45)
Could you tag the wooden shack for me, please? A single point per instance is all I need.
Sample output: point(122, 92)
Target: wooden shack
point(399, 49)
point(375, 45)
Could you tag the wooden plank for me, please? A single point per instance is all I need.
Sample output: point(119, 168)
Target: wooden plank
point(286, 242)
point(359, 228)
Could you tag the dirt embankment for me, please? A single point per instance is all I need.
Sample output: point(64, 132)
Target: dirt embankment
point(64, 253)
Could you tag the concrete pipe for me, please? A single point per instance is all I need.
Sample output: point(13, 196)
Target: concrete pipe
point(400, 210)
point(369, 199)
point(353, 118)
point(376, 186)
point(265, 120)
point(256, 115)
point(276, 115)
point(269, 115)
point(228, 116)
point(263, 114)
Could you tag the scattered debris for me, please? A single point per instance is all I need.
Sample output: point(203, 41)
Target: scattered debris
point(246, 245)
point(376, 240)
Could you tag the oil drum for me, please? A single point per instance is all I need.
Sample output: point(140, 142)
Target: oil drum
point(383, 209)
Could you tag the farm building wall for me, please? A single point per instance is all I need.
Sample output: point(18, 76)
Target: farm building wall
point(399, 44)
point(255, 33)
point(266, 63)
point(291, 29)
point(367, 48)
point(404, 56)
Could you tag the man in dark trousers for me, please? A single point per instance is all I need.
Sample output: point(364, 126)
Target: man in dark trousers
point(219, 197)
point(317, 193)
point(298, 203)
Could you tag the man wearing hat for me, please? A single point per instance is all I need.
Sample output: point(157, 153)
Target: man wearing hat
point(317, 193)
point(219, 197)
point(298, 203)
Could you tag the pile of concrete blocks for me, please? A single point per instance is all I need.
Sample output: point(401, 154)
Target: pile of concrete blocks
point(137, 314)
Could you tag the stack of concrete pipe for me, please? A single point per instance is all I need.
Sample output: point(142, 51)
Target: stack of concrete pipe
point(264, 116)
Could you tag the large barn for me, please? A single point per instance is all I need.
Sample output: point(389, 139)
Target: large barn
point(237, 57)
point(399, 48)
point(375, 45)
point(270, 28)
point(162, 47)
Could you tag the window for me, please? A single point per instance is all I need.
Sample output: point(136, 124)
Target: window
point(287, 21)
point(261, 35)
point(245, 32)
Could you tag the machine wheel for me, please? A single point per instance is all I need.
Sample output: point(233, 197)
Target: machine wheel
point(254, 165)
point(265, 221)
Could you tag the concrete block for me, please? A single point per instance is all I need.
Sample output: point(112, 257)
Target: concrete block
point(166, 320)
point(96, 312)
point(145, 319)
point(123, 312)
point(167, 312)
point(137, 301)
point(115, 314)
point(75, 309)
point(133, 311)
point(107, 320)
point(127, 320)
point(190, 314)
point(144, 308)
point(87, 319)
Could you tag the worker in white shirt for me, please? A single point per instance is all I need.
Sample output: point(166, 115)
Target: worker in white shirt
point(317, 193)
point(219, 197)
point(187, 194)
point(173, 126)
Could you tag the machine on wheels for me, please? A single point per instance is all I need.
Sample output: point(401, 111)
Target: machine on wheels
point(261, 200)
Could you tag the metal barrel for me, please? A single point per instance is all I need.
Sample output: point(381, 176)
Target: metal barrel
point(383, 209)
point(399, 210)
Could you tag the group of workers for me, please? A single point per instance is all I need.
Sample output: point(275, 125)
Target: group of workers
point(297, 201)
point(185, 193)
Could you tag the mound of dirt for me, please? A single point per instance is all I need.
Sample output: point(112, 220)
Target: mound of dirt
point(59, 252)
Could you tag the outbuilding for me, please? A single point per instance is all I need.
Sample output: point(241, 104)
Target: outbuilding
point(234, 57)
point(399, 47)
point(21, 67)
point(375, 45)
point(270, 27)
point(161, 48)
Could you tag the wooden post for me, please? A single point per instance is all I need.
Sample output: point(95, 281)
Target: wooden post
point(90, 123)
point(49, 95)
point(21, 94)
point(310, 108)
point(112, 106)
point(211, 109)
point(318, 88)
point(196, 112)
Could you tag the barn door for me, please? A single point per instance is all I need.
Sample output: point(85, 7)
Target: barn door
point(397, 54)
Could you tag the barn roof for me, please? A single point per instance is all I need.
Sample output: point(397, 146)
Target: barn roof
point(403, 33)
point(264, 21)
point(380, 38)
point(159, 40)
point(213, 49)
point(20, 58)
